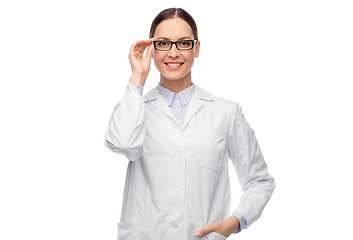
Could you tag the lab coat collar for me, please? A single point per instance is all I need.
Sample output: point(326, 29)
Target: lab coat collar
point(184, 95)
point(199, 92)
point(196, 103)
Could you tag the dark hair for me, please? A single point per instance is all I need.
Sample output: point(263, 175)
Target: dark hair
point(173, 13)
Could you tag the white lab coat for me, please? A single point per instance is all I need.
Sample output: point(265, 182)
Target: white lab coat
point(177, 178)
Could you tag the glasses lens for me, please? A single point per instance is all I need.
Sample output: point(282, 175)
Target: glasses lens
point(162, 45)
point(185, 44)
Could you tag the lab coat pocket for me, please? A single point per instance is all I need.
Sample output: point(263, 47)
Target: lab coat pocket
point(210, 146)
point(129, 229)
point(215, 236)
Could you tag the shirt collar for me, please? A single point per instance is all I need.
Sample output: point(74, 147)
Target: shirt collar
point(184, 95)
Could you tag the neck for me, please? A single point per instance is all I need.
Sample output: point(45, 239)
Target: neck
point(176, 85)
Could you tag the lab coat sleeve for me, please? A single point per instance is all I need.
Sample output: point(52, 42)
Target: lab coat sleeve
point(244, 152)
point(127, 129)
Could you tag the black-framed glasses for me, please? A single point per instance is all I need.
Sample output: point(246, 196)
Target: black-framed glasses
point(164, 45)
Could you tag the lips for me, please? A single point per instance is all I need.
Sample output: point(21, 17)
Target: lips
point(174, 65)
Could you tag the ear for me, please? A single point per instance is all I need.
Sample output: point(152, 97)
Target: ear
point(197, 48)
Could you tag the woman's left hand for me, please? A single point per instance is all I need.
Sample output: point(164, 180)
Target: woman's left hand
point(225, 227)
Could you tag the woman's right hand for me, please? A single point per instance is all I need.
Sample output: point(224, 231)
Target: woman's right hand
point(140, 64)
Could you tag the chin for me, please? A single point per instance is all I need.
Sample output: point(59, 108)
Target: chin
point(175, 77)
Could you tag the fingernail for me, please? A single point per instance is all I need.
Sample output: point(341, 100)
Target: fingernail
point(197, 234)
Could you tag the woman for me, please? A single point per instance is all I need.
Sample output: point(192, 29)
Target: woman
point(178, 138)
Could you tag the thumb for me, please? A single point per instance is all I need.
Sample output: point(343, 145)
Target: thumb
point(203, 231)
point(149, 51)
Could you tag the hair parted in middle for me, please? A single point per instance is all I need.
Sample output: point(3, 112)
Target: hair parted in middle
point(173, 13)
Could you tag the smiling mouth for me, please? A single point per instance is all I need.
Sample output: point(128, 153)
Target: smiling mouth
point(173, 64)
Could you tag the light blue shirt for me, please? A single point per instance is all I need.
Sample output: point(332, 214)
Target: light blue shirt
point(178, 103)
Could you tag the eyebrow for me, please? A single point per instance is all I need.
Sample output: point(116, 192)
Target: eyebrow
point(182, 38)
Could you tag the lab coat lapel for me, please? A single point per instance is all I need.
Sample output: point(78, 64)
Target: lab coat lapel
point(196, 103)
point(194, 106)
point(162, 105)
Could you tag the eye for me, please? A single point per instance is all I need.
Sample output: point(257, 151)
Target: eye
point(162, 43)
point(185, 43)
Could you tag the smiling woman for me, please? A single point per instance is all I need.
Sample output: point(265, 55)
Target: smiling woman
point(178, 139)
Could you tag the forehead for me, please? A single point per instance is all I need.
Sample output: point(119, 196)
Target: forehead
point(174, 29)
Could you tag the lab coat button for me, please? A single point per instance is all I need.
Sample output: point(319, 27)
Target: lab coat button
point(175, 224)
point(176, 190)
point(179, 156)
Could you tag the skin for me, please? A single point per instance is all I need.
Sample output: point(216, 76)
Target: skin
point(173, 79)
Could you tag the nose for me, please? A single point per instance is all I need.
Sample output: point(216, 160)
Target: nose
point(173, 52)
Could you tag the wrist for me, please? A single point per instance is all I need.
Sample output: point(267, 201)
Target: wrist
point(234, 223)
point(137, 79)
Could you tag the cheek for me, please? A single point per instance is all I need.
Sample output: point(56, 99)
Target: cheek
point(158, 59)
point(189, 57)
point(158, 55)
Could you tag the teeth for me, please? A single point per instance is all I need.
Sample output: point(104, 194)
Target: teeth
point(173, 64)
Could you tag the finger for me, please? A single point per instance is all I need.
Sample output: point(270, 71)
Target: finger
point(138, 50)
point(142, 47)
point(149, 51)
point(134, 48)
point(146, 43)
point(141, 43)
point(136, 44)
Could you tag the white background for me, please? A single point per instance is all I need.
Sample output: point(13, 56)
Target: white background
point(64, 66)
